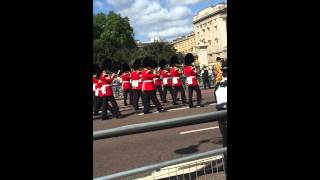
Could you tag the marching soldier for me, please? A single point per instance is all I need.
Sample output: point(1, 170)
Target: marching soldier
point(192, 82)
point(148, 86)
point(98, 96)
point(95, 81)
point(176, 81)
point(126, 86)
point(166, 80)
point(137, 84)
point(107, 93)
point(156, 80)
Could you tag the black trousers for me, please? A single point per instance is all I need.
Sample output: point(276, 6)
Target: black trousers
point(159, 89)
point(198, 91)
point(97, 105)
point(115, 107)
point(125, 96)
point(206, 83)
point(150, 95)
point(180, 89)
point(165, 89)
point(136, 95)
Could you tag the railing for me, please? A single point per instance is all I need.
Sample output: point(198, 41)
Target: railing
point(165, 124)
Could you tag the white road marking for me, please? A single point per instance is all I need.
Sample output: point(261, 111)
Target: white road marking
point(212, 104)
point(197, 130)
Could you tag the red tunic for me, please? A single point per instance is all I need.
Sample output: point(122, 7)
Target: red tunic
point(156, 80)
point(95, 82)
point(191, 76)
point(126, 80)
point(176, 76)
point(98, 91)
point(136, 80)
point(148, 84)
point(166, 78)
point(106, 86)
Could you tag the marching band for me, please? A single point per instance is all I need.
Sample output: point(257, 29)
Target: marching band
point(146, 78)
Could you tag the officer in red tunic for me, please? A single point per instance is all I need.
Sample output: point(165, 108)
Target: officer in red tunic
point(192, 82)
point(107, 93)
point(176, 81)
point(137, 84)
point(148, 86)
point(157, 80)
point(126, 86)
point(166, 80)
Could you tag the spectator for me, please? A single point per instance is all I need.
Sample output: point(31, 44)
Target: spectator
point(116, 85)
point(205, 78)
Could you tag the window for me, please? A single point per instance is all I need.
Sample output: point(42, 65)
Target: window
point(215, 28)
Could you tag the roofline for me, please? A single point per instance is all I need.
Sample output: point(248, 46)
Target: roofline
point(210, 15)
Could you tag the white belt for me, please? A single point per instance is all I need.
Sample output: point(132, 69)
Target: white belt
point(155, 78)
point(125, 81)
point(192, 76)
point(106, 85)
point(148, 81)
point(176, 77)
point(167, 78)
point(137, 80)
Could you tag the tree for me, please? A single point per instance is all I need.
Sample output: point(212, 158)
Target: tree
point(159, 50)
point(113, 37)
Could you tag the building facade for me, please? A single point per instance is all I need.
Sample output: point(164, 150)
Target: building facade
point(210, 28)
point(209, 39)
point(185, 44)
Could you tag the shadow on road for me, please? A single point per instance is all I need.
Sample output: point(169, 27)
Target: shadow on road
point(188, 150)
point(193, 148)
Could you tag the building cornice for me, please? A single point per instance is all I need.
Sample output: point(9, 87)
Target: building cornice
point(220, 11)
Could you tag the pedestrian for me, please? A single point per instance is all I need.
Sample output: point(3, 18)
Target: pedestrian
point(176, 81)
point(221, 96)
point(137, 84)
point(205, 78)
point(116, 86)
point(126, 86)
point(166, 80)
point(191, 74)
point(148, 86)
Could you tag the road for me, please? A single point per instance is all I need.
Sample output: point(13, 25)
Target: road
point(133, 151)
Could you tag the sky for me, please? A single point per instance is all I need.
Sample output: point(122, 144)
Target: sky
point(167, 19)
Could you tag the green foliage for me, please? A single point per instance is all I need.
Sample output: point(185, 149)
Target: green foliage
point(113, 37)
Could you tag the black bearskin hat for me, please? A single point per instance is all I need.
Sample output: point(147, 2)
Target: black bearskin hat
point(174, 60)
point(154, 64)
point(125, 67)
point(218, 59)
point(107, 64)
point(188, 59)
point(147, 62)
point(95, 68)
point(136, 64)
point(163, 63)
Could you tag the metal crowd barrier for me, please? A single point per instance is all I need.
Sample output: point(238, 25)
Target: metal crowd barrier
point(158, 125)
point(202, 167)
point(197, 166)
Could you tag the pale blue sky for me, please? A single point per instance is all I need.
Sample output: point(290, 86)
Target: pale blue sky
point(149, 18)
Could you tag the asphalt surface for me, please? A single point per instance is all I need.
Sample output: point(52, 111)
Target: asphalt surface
point(133, 151)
